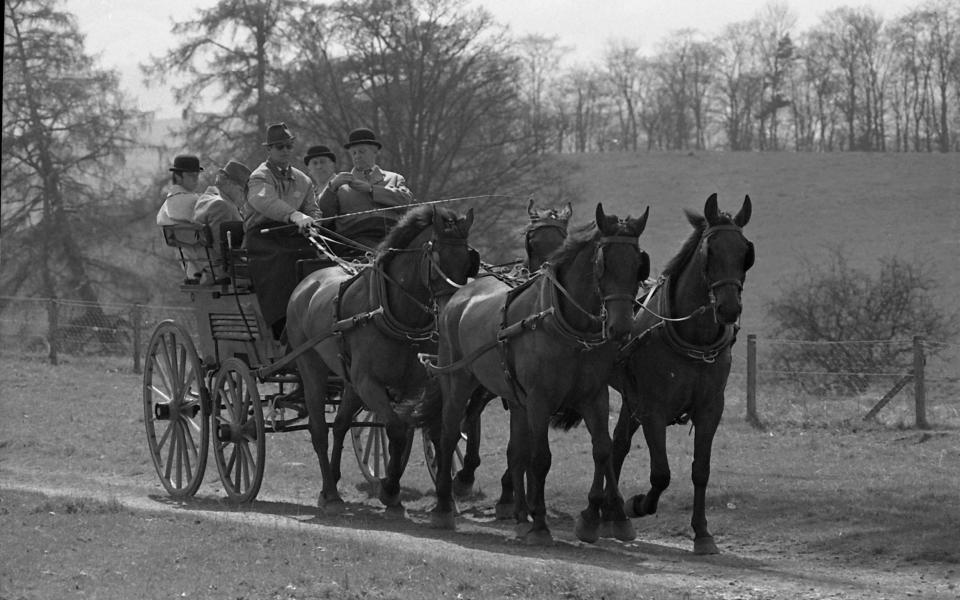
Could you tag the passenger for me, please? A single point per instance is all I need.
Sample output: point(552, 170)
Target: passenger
point(321, 165)
point(364, 188)
point(220, 203)
point(179, 200)
point(278, 194)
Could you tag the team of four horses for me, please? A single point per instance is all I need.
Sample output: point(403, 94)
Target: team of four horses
point(423, 339)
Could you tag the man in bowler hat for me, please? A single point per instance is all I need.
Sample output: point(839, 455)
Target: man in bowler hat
point(321, 164)
point(177, 208)
point(364, 188)
point(278, 194)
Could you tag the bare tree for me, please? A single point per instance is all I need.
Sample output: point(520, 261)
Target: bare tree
point(622, 61)
point(226, 73)
point(738, 84)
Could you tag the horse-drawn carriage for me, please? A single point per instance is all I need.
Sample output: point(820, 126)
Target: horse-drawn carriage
point(235, 383)
point(549, 348)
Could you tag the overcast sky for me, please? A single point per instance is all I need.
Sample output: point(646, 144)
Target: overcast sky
point(125, 33)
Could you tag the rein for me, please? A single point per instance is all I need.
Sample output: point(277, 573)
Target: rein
point(708, 353)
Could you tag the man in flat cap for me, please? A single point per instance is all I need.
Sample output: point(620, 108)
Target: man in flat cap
point(364, 188)
point(278, 194)
point(220, 203)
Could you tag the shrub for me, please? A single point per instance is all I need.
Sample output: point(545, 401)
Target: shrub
point(864, 321)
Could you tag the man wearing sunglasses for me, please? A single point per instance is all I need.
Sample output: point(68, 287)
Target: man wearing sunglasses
point(278, 195)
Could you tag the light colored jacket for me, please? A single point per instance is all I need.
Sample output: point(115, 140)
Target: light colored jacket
point(273, 195)
point(389, 189)
point(177, 206)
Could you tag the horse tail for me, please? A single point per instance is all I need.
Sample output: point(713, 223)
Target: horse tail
point(425, 410)
point(566, 418)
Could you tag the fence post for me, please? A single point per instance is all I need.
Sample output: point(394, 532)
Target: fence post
point(53, 329)
point(137, 319)
point(919, 384)
point(752, 417)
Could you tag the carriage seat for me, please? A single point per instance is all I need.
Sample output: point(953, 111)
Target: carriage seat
point(208, 259)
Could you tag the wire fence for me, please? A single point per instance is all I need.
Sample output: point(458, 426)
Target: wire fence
point(896, 383)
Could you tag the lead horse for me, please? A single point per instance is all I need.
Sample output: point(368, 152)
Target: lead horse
point(677, 362)
point(556, 340)
point(368, 328)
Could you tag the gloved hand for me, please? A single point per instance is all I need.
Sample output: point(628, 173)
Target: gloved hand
point(302, 221)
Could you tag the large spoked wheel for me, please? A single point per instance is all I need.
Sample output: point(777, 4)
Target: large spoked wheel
point(370, 444)
point(239, 442)
point(174, 395)
point(430, 454)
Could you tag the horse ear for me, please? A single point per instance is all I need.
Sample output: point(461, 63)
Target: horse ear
point(530, 212)
point(710, 210)
point(642, 222)
point(743, 217)
point(566, 213)
point(600, 216)
point(468, 220)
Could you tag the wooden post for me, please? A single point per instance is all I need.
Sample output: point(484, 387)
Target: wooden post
point(919, 384)
point(137, 318)
point(752, 416)
point(53, 329)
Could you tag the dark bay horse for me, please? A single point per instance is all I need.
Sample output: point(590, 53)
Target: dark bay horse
point(678, 359)
point(542, 346)
point(369, 327)
point(543, 235)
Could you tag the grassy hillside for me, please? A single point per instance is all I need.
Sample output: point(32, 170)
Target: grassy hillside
point(872, 205)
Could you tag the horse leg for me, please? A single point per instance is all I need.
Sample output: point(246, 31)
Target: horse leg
point(604, 496)
point(398, 438)
point(705, 428)
point(313, 374)
point(655, 434)
point(463, 482)
point(538, 466)
point(518, 451)
point(456, 389)
point(350, 404)
point(626, 427)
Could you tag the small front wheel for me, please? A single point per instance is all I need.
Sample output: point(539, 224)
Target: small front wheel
point(239, 432)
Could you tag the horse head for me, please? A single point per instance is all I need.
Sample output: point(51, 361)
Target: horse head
point(452, 260)
point(725, 256)
point(545, 233)
point(619, 268)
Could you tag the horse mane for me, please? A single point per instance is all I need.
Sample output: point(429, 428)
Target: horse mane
point(411, 225)
point(576, 240)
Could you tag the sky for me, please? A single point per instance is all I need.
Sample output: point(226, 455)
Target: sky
point(126, 33)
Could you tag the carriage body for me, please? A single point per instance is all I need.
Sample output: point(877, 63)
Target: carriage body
point(223, 382)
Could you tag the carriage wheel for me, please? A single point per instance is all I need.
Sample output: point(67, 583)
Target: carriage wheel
point(431, 455)
point(174, 399)
point(239, 442)
point(370, 444)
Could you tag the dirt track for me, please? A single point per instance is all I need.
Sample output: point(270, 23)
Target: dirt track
point(649, 565)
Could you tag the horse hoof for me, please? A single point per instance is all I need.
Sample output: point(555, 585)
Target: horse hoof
point(388, 500)
point(331, 506)
point(630, 506)
point(395, 512)
point(538, 537)
point(621, 530)
point(504, 511)
point(705, 545)
point(586, 530)
point(461, 489)
point(444, 520)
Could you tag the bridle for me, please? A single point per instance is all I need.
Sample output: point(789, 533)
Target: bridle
point(598, 270)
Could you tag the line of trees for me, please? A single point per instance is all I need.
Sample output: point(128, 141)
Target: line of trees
point(854, 81)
